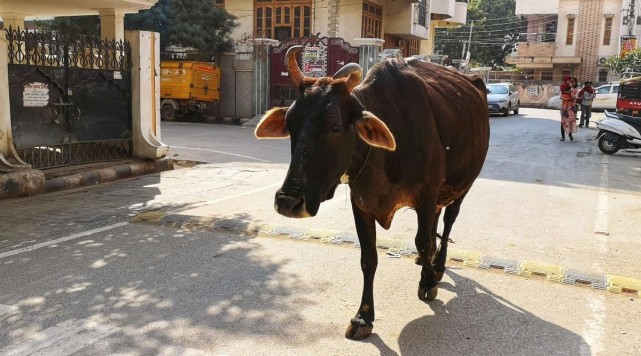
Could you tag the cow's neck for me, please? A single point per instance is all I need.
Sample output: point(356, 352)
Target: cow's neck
point(357, 165)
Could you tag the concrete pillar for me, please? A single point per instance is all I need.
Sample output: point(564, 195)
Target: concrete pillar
point(369, 48)
point(9, 160)
point(262, 49)
point(145, 94)
point(112, 24)
point(13, 20)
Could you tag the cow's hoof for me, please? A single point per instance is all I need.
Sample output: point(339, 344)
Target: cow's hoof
point(427, 295)
point(439, 275)
point(358, 329)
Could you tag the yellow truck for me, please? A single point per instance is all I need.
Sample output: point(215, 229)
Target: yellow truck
point(187, 87)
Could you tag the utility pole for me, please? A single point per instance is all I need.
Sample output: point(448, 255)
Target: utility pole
point(632, 19)
point(469, 42)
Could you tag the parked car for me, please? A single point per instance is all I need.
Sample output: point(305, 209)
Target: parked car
point(502, 98)
point(605, 98)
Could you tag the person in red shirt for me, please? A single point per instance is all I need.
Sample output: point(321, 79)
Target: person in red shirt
point(586, 95)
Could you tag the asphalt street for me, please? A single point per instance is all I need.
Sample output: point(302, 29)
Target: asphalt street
point(79, 277)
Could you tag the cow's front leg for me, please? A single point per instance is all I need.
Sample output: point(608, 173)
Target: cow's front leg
point(360, 327)
point(425, 241)
point(440, 256)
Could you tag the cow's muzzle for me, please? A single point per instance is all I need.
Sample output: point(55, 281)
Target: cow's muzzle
point(290, 206)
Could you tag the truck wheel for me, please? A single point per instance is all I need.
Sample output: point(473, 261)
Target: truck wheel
point(168, 113)
point(607, 146)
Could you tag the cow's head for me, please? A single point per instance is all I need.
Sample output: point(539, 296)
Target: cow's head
point(323, 123)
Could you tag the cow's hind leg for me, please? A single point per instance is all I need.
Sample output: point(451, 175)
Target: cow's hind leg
point(433, 235)
point(440, 257)
point(360, 327)
point(426, 214)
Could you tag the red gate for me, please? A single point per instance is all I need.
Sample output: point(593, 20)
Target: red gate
point(322, 57)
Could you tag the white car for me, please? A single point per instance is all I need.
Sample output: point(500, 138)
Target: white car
point(502, 98)
point(605, 98)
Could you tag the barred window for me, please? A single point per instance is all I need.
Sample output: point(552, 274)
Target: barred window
point(569, 37)
point(283, 19)
point(607, 34)
point(372, 21)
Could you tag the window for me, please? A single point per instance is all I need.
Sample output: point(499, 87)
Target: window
point(550, 31)
point(546, 75)
point(607, 34)
point(603, 75)
point(372, 21)
point(615, 89)
point(422, 12)
point(218, 3)
point(283, 19)
point(569, 36)
point(603, 90)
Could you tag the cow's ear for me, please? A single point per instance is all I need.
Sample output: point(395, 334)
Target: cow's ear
point(374, 131)
point(272, 125)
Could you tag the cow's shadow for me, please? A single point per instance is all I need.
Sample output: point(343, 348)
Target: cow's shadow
point(479, 322)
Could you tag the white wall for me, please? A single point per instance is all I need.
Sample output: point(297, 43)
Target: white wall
point(534, 7)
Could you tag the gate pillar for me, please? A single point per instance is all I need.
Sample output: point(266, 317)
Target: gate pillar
point(369, 48)
point(9, 160)
point(145, 94)
point(262, 49)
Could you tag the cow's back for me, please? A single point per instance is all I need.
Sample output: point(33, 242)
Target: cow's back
point(438, 116)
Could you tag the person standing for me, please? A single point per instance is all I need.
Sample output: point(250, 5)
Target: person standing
point(568, 116)
point(586, 95)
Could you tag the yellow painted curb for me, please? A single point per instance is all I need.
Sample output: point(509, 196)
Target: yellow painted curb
point(318, 234)
point(551, 272)
point(619, 284)
point(469, 258)
point(150, 216)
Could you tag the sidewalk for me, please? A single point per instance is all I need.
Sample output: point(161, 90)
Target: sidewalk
point(34, 181)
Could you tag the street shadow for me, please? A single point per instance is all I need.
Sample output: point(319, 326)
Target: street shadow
point(526, 149)
point(163, 284)
point(479, 322)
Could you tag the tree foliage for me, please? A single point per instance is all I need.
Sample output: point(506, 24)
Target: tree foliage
point(186, 23)
point(72, 26)
point(495, 33)
point(630, 62)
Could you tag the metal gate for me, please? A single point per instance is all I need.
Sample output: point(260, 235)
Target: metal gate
point(322, 57)
point(70, 98)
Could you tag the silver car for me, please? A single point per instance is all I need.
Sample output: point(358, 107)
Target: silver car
point(502, 98)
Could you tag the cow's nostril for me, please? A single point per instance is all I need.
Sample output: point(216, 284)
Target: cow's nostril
point(290, 206)
point(300, 205)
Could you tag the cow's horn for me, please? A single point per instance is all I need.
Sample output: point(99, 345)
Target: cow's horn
point(292, 67)
point(347, 70)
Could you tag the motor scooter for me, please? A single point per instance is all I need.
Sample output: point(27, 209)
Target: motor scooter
point(618, 131)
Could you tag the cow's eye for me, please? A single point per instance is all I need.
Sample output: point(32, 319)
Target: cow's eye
point(337, 128)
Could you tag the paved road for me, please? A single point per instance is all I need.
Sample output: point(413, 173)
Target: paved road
point(77, 277)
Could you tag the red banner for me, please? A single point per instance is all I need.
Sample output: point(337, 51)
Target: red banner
point(628, 43)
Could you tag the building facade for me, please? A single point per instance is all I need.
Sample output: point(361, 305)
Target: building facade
point(570, 37)
point(402, 24)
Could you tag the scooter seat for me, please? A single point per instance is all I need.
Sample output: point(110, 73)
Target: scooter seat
point(631, 120)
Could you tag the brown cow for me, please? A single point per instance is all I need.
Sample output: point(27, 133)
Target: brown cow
point(413, 134)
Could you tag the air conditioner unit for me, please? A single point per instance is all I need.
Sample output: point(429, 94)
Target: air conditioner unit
point(601, 61)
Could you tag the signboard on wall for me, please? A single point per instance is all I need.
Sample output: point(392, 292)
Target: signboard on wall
point(35, 95)
point(628, 43)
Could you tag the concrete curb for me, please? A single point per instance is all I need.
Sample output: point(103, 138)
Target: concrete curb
point(32, 181)
point(394, 249)
point(108, 174)
point(23, 183)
